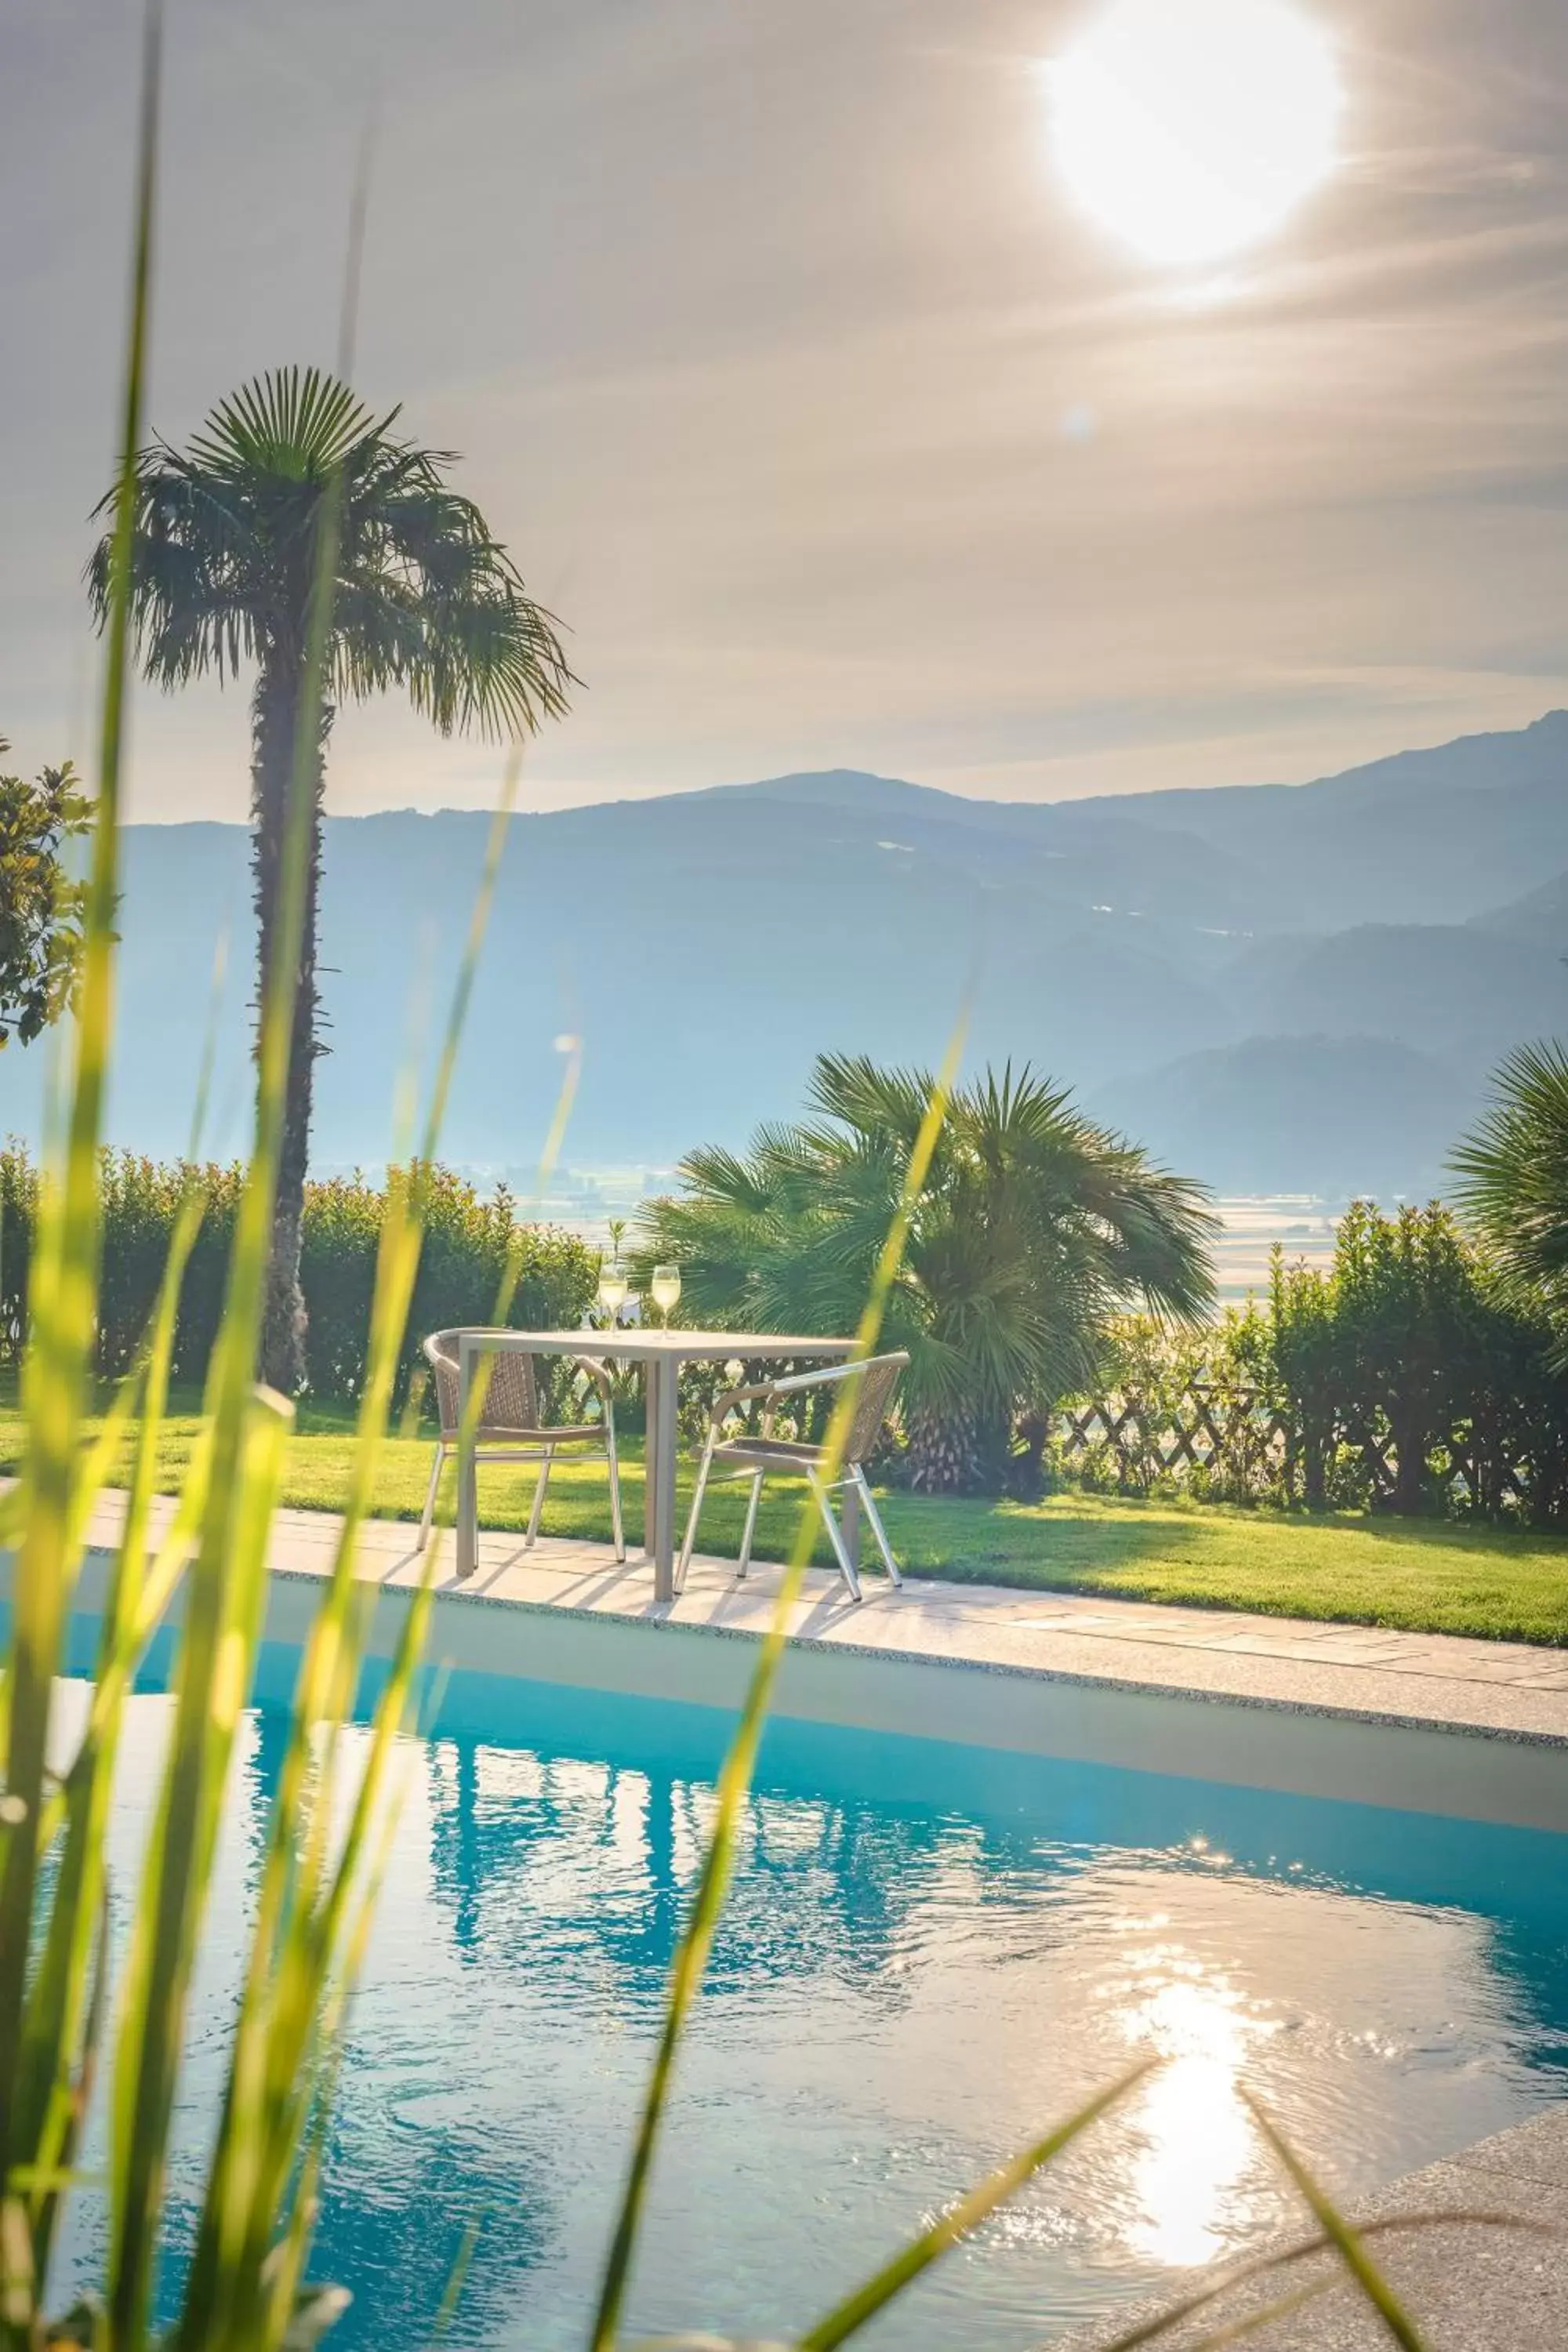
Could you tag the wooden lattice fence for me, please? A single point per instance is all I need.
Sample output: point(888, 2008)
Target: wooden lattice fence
point(1233, 1432)
point(1198, 1431)
point(1239, 1442)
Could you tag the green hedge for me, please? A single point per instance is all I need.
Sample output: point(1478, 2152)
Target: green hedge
point(467, 1238)
point(1403, 1378)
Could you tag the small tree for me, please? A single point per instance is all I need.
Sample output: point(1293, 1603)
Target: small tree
point(40, 905)
point(1034, 1230)
point(1307, 1363)
point(232, 540)
point(1380, 1356)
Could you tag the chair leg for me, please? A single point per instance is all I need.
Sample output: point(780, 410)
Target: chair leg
point(834, 1534)
point(534, 1517)
point(614, 1461)
point(878, 1529)
point(751, 1527)
point(430, 1495)
point(684, 1562)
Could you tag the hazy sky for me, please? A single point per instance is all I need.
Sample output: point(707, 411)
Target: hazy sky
point(800, 392)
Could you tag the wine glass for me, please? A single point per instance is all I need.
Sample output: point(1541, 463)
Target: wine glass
point(665, 1290)
point(612, 1292)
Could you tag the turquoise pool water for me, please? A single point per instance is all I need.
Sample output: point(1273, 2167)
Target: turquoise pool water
point(930, 1952)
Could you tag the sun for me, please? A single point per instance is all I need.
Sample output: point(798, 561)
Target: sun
point(1193, 127)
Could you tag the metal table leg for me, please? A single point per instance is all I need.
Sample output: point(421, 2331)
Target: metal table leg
point(468, 1484)
point(664, 1381)
point(650, 1459)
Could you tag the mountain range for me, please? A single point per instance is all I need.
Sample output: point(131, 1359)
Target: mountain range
point(1294, 988)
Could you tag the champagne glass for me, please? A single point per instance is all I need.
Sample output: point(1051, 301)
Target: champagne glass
point(664, 1288)
point(612, 1292)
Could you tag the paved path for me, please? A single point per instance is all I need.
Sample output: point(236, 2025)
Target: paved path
point(1507, 1688)
point(1499, 2285)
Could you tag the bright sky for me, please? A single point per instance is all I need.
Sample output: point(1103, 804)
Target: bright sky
point(802, 388)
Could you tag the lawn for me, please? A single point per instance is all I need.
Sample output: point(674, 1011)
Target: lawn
point(1379, 1572)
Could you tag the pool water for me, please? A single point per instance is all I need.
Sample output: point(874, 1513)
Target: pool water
point(930, 1954)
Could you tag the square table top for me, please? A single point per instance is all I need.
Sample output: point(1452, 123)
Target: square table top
point(634, 1343)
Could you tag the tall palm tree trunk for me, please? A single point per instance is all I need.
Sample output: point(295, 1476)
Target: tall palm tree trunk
point(275, 711)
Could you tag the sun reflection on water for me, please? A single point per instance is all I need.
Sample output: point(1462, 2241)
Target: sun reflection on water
point(1195, 2145)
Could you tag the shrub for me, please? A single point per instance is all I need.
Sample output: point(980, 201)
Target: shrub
point(1034, 1228)
point(1411, 1375)
point(1183, 1411)
point(468, 1237)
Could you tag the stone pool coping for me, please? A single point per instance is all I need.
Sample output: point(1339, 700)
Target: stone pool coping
point(1431, 1723)
point(1510, 1690)
point(1469, 2286)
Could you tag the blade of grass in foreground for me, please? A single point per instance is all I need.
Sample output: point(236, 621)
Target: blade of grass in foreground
point(1338, 2230)
point(852, 2313)
point(298, 1942)
point(59, 2034)
point(58, 1364)
point(512, 1272)
point(226, 1579)
point(1149, 2331)
point(735, 1776)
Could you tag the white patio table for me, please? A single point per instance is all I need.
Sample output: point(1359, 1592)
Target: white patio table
point(663, 1352)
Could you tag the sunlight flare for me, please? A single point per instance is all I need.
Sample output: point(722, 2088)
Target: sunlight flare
point(1191, 128)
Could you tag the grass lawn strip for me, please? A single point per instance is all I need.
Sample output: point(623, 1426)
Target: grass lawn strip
point(1422, 1576)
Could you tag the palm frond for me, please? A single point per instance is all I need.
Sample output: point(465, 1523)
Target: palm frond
point(227, 552)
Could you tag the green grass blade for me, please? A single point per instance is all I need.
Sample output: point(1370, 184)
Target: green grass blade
point(59, 2023)
point(300, 1915)
point(227, 1580)
point(456, 2278)
point(222, 1622)
point(1149, 2331)
point(848, 2317)
point(58, 1360)
point(273, 2081)
point(1345, 2241)
point(735, 1777)
point(512, 1272)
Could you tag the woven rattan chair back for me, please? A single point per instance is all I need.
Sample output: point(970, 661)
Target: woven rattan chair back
point(512, 1399)
point(879, 1380)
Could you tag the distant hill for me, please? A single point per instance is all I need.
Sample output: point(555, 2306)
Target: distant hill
point(1367, 944)
point(1540, 917)
point(1431, 837)
point(1334, 1116)
point(1465, 993)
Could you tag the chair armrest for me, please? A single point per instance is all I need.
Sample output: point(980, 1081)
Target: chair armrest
point(597, 1374)
point(818, 1380)
point(725, 1405)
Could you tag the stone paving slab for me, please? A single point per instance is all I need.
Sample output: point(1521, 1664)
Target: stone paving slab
point(1495, 2286)
point(1509, 1689)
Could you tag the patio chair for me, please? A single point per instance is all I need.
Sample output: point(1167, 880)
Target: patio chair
point(752, 1455)
point(510, 1429)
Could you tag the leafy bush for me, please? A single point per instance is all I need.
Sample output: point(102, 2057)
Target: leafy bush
point(468, 1241)
point(1409, 1376)
point(1179, 1410)
point(1032, 1230)
point(41, 907)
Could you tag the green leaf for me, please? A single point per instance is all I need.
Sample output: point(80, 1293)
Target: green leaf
point(848, 2317)
point(1344, 2240)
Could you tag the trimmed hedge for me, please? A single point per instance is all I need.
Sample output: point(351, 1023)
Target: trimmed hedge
point(467, 1242)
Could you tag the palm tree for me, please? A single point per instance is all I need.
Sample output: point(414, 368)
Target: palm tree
point(228, 554)
point(1513, 1179)
point(1034, 1228)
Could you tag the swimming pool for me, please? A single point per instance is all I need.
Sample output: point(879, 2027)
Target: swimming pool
point(930, 1951)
